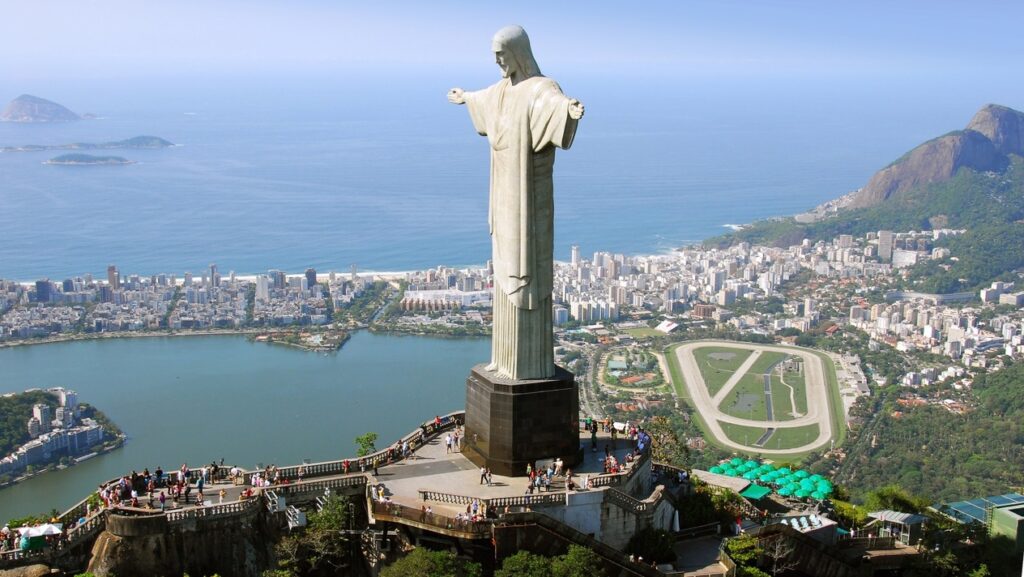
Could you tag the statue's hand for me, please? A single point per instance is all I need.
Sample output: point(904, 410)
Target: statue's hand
point(456, 96)
point(575, 109)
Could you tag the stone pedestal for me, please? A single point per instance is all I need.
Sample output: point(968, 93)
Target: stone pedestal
point(510, 423)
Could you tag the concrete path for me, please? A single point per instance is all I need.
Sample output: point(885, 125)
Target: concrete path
point(734, 379)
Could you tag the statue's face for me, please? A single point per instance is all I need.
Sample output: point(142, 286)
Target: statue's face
point(506, 63)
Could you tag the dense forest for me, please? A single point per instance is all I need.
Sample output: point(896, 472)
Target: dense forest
point(940, 455)
point(15, 411)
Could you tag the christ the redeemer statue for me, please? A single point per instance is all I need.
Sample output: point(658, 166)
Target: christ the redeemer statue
point(524, 117)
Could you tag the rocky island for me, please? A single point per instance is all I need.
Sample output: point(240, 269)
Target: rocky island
point(87, 160)
point(32, 109)
point(135, 143)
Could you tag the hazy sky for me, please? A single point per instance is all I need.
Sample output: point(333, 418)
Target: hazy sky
point(96, 39)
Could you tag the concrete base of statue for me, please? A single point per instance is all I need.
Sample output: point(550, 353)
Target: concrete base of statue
point(511, 423)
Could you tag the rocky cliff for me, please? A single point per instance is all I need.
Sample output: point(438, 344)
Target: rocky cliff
point(994, 133)
point(28, 108)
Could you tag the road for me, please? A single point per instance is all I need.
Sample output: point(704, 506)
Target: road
point(818, 408)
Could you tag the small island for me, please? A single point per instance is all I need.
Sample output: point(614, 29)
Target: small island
point(135, 143)
point(30, 109)
point(87, 160)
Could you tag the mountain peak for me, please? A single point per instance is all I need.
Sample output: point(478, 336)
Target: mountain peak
point(995, 132)
point(1002, 125)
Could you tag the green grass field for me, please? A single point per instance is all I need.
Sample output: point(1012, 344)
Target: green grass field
point(749, 395)
point(717, 371)
point(742, 435)
point(766, 360)
point(782, 405)
point(643, 333)
point(795, 380)
point(790, 438)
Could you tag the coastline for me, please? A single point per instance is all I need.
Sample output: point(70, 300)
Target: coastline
point(136, 335)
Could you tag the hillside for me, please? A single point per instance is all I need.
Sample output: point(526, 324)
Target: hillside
point(984, 145)
point(15, 411)
point(32, 109)
point(943, 456)
point(970, 179)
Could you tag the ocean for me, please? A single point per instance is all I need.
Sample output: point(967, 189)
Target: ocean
point(325, 173)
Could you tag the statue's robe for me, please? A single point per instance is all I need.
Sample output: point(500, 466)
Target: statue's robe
point(523, 124)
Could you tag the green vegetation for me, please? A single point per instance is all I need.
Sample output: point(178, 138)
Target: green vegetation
point(423, 562)
point(366, 444)
point(990, 206)
point(15, 411)
point(717, 365)
point(746, 400)
point(767, 360)
point(577, 562)
point(643, 333)
point(944, 456)
point(323, 548)
point(791, 437)
point(741, 434)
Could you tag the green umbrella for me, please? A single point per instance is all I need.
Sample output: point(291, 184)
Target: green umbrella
point(801, 474)
point(731, 472)
point(816, 477)
point(785, 492)
point(765, 468)
point(765, 478)
point(750, 475)
point(751, 463)
point(807, 484)
point(793, 487)
point(735, 461)
point(803, 493)
point(818, 495)
point(785, 470)
point(716, 470)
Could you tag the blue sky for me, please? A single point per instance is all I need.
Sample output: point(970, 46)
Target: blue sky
point(142, 38)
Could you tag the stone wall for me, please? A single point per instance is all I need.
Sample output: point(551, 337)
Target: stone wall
point(229, 545)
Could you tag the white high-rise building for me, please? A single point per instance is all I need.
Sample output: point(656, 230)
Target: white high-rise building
point(575, 259)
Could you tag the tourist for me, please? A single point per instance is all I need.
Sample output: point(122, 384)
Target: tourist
point(302, 472)
point(483, 476)
point(345, 466)
point(448, 443)
point(223, 493)
point(455, 440)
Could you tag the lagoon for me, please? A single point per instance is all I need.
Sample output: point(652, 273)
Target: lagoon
point(198, 398)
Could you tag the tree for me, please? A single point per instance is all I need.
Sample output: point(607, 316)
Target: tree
point(426, 563)
point(366, 444)
point(525, 564)
point(745, 552)
point(322, 548)
point(779, 552)
point(577, 562)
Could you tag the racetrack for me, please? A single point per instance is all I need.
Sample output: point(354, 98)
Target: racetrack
point(816, 388)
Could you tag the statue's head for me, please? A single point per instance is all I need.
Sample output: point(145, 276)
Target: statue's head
point(512, 52)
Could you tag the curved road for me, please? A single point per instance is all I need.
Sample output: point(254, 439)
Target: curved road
point(816, 388)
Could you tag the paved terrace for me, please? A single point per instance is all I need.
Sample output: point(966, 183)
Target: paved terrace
point(446, 482)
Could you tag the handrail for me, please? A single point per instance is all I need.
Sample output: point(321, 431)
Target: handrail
point(396, 511)
point(495, 503)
